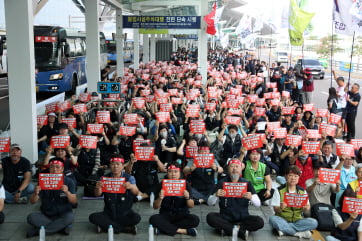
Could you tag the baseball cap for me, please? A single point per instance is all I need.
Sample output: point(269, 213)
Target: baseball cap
point(63, 126)
point(15, 146)
point(52, 114)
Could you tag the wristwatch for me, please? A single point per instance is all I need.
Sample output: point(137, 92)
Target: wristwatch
point(18, 191)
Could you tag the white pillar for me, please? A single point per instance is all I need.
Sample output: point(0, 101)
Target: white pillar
point(202, 43)
point(119, 42)
point(93, 58)
point(146, 48)
point(153, 47)
point(21, 76)
point(136, 48)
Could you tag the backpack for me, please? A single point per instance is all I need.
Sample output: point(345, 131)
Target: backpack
point(323, 214)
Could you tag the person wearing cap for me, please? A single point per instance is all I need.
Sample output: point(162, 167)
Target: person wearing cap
point(174, 216)
point(202, 180)
point(291, 220)
point(353, 98)
point(56, 210)
point(117, 206)
point(308, 86)
point(16, 176)
point(234, 210)
point(258, 174)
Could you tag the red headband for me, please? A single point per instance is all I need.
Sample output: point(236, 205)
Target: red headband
point(204, 148)
point(117, 159)
point(57, 163)
point(173, 167)
point(254, 150)
point(235, 161)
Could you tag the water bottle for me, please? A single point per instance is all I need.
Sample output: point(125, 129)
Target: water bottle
point(235, 233)
point(110, 233)
point(152, 199)
point(150, 233)
point(42, 234)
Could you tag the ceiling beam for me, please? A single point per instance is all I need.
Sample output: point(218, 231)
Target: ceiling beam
point(114, 3)
point(139, 5)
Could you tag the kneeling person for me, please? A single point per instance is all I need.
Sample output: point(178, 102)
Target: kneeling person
point(117, 206)
point(56, 212)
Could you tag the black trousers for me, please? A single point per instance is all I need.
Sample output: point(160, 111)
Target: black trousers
point(2, 217)
point(350, 122)
point(169, 224)
point(103, 220)
point(250, 223)
point(262, 192)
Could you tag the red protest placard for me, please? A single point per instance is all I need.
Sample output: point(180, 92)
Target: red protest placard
point(176, 101)
point(293, 140)
point(303, 132)
point(191, 151)
point(144, 153)
point(174, 187)
point(60, 141)
point(63, 106)
point(103, 116)
point(139, 143)
point(259, 111)
point(203, 160)
point(51, 181)
point(192, 111)
point(110, 102)
point(271, 85)
point(241, 100)
point(42, 120)
point(233, 103)
point(145, 92)
point(139, 102)
point(334, 118)
point(280, 132)
point(163, 117)
point(288, 110)
point(113, 184)
point(352, 205)
point(4, 144)
point(271, 126)
point(286, 94)
point(130, 119)
point(95, 128)
point(127, 130)
point(87, 141)
point(322, 112)
point(275, 102)
point(235, 91)
point(232, 120)
point(252, 98)
point(260, 102)
point(310, 147)
point(295, 200)
point(235, 189)
point(311, 133)
point(210, 106)
point(84, 97)
point(79, 108)
point(327, 175)
point(357, 143)
point(150, 98)
point(308, 107)
point(167, 107)
point(212, 94)
point(71, 122)
point(197, 126)
point(52, 107)
point(344, 149)
point(330, 130)
point(268, 95)
point(173, 92)
point(252, 142)
point(235, 111)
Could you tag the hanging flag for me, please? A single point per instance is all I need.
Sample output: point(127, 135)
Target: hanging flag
point(244, 30)
point(218, 15)
point(210, 21)
point(298, 22)
point(258, 25)
point(356, 12)
point(342, 18)
point(224, 41)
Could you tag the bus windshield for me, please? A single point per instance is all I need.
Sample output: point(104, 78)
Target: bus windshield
point(46, 55)
point(111, 46)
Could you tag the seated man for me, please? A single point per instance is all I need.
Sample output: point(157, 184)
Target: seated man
point(234, 210)
point(56, 214)
point(290, 220)
point(17, 176)
point(2, 198)
point(202, 179)
point(117, 206)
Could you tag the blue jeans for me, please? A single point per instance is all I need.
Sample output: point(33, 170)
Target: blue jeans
point(304, 224)
point(9, 197)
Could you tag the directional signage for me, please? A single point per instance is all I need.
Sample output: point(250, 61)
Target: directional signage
point(109, 88)
point(162, 22)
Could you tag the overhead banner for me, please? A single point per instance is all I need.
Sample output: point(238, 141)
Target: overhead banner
point(162, 22)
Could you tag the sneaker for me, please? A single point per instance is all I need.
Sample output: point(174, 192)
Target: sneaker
point(67, 229)
point(99, 229)
point(243, 233)
point(130, 229)
point(139, 198)
point(157, 231)
point(23, 200)
point(280, 233)
point(305, 234)
point(192, 232)
point(212, 200)
point(222, 232)
point(32, 232)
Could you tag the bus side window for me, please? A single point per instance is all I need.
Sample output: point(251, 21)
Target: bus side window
point(71, 43)
point(78, 47)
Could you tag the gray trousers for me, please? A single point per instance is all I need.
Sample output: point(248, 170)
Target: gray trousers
point(51, 225)
point(307, 97)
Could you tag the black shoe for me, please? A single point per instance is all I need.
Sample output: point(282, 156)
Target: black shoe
point(67, 229)
point(32, 232)
point(243, 233)
point(130, 229)
point(192, 232)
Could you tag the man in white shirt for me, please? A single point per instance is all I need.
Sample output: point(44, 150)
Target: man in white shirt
point(2, 201)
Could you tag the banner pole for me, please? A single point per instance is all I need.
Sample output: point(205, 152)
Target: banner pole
point(350, 63)
point(332, 54)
